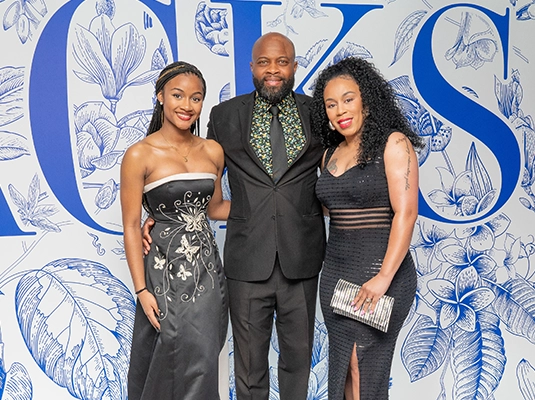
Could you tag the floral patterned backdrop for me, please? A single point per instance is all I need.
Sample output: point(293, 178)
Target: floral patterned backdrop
point(76, 89)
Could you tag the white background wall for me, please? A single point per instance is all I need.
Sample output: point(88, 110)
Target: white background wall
point(465, 76)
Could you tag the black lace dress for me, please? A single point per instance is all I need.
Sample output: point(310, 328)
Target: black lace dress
point(360, 221)
point(184, 272)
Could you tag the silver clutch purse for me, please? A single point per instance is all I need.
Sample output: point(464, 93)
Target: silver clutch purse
point(343, 295)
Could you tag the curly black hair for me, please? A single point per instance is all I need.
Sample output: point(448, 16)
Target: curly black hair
point(378, 99)
point(168, 73)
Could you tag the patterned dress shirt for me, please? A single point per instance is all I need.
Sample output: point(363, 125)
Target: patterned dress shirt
point(294, 137)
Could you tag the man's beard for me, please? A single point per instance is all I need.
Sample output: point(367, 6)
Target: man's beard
point(274, 95)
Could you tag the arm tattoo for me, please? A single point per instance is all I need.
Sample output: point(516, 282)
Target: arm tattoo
point(407, 173)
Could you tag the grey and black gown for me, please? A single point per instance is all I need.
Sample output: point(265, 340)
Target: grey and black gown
point(360, 222)
point(184, 272)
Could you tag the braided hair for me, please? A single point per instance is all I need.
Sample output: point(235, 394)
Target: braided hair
point(378, 99)
point(168, 73)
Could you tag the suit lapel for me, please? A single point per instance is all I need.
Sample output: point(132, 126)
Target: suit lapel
point(246, 117)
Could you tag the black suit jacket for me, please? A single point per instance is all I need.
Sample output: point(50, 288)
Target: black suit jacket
point(266, 217)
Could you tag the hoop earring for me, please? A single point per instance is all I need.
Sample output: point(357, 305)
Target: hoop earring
point(331, 126)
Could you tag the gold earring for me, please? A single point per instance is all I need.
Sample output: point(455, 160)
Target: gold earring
point(331, 126)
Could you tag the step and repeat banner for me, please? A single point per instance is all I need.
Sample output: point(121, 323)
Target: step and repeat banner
point(77, 88)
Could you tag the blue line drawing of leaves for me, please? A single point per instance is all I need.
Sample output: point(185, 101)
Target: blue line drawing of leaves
point(15, 383)
point(404, 33)
point(12, 146)
point(275, 22)
point(478, 358)
point(525, 374)
point(18, 385)
point(11, 85)
point(24, 15)
point(224, 93)
point(515, 305)
point(351, 50)
point(471, 91)
point(304, 61)
point(481, 183)
point(30, 211)
point(17, 197)
point(119, 250)
point(45, 224)
point(159, 57)
point(309, 6)
point(33, 192)
point(425, 348)
point(76, 319)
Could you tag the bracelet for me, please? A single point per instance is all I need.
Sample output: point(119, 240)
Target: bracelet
point(141, 290)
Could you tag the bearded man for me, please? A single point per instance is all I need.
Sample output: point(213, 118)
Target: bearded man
point(275, 235)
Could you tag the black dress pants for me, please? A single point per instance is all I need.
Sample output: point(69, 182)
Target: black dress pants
point(252, 308)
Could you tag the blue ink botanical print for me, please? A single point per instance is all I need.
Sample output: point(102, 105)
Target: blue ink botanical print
point(67, 320)
point(211, 28)
point(472, 49)
point(24, 16)
point(88, 352)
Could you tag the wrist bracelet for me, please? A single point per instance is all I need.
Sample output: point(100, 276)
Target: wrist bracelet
point(141, 290)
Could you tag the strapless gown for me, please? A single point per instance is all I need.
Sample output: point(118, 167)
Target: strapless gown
point(184, 272)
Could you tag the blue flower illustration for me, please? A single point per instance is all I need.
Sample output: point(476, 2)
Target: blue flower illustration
point(512, 260)
point(109, 56)
point(461, 257)
point(468, 193)
point(211, 28)
point(96, 137)
point(461, 302)
point(455, 192)
point(472, 49)
point(427, 245)
point(482, 237)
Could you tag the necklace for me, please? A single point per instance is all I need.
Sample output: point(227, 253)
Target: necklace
point(176, 149)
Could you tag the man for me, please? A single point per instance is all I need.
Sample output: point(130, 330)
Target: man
point(275, 235)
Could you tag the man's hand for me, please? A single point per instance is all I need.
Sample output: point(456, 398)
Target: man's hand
point(145, 233)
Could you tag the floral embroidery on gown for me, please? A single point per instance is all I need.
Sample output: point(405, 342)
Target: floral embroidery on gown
point(184, 272)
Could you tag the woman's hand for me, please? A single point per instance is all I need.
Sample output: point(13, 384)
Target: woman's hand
point(150, 308)
point(145, 233)
point(370, 293)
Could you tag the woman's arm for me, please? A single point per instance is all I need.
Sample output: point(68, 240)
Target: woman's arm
point(218, 209)
point(401, 166)
point(133, 172)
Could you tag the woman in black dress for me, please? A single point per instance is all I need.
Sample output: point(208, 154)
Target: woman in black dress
point(181, 316)
point(369, 185)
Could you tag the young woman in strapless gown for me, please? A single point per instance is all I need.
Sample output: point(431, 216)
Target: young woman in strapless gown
point(181, 316)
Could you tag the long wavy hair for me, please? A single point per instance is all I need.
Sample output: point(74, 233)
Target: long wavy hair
point(168, 73)
point(378, 100)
